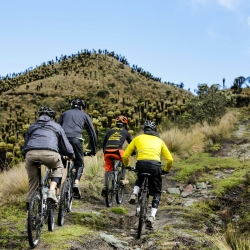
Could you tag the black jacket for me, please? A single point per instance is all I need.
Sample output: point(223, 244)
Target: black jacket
point(115, 138)
point(48, 135)
point(74, 121)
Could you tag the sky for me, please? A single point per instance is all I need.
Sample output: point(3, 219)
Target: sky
point(188, 41)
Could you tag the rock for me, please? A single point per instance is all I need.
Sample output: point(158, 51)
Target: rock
point(173, 191)
point(187, 191)
point(114, 242)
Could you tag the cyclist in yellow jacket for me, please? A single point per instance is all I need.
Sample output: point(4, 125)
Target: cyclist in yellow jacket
point(149, 148)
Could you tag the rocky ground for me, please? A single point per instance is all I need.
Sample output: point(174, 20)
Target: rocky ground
point(176, 226)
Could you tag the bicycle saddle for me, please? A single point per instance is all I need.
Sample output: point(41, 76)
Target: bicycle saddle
point(145, 174)
point(38, 162)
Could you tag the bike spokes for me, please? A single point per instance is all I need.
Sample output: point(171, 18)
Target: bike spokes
point(34, 223)
point(109, 190)
point(120, 189)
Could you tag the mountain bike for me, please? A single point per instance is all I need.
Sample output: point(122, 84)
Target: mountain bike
point(40, 209)
point(66, 193)
point(114, 187)
point(142, 202)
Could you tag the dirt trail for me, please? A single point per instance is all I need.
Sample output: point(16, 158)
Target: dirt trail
point(174, 217)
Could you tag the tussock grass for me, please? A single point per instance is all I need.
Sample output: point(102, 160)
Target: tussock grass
point(183, 143)
point(14, 182)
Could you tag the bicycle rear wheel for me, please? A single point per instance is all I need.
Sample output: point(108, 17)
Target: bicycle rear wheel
point(34, 224)
point(65, 203)
point(51, 216)
point(143, 204)
point(109, 190)
point(120, 189)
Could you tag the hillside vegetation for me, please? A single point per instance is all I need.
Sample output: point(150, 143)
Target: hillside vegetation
point(104, 80)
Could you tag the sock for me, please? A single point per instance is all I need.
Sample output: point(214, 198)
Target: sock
point(153, 211)
point(136, 189)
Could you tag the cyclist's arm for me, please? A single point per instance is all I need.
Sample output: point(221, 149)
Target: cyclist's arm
point(92, 134)
point(168, 158)
point(129, 150)
point(65, 146)
point(128, 138)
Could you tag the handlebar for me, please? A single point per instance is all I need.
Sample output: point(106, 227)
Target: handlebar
point(131, 168)
point(88, 153)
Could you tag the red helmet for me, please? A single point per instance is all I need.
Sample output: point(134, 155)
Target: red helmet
point(122, 119)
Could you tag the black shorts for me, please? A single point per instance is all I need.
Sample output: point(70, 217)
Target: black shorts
point(155, 180)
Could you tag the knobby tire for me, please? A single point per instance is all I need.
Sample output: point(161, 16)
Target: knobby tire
point(143, 211)
point(34, 223)
point(120, 189)
point(65, 202)
point(51, 216)
point(109, 190)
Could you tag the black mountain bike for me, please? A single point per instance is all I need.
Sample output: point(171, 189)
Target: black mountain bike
point(40, 209)
point(114, 187)
point(142, 204)
point(66, 193)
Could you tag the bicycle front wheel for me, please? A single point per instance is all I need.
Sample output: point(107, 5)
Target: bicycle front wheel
point(65, 203)
point(51, 216)
point(34, 223)
point(109, 190)
point(120, 189)
point(143, 204)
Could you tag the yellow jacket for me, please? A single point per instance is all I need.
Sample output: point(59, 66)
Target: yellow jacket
point(148, 147)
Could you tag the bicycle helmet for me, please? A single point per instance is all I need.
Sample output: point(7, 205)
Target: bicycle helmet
point(47, 111)
point(121, 119)
point(149, 124)
point(78, 102)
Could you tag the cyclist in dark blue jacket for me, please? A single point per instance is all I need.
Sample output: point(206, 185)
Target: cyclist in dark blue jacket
point(73, 122)
point(45, 140)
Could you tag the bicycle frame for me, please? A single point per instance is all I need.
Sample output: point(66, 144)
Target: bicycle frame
point(113, 186)
point(40, 210)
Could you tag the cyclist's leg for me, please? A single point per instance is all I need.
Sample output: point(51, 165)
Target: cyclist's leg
point(108, 168)
point(53, 161)
point(78, 164)
point(155, 187)
point(32, 172)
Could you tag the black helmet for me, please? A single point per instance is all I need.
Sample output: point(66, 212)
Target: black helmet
point(47, 111)
point(78, 102)
point(149, 124)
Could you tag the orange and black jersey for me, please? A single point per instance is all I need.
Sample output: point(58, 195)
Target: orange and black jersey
point(115, 138)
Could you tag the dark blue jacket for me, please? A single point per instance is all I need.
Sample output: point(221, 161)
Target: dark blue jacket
point(48, 135)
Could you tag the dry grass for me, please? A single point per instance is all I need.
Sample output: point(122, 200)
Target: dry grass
point(222, 130)
point(14, 181)
point(183, 143)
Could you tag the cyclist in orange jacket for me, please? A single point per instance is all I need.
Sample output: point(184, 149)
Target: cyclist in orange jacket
point(112, 146)
point(149, 148)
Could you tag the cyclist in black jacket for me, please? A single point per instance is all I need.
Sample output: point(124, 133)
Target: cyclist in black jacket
point(45, 140)
point(112, 146)
point(73, 122)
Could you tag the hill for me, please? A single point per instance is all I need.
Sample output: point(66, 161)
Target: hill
point(103, 79)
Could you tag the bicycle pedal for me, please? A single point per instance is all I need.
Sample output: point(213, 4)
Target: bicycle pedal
point(149, 228)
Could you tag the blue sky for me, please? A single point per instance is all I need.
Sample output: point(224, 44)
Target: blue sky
point(189, 41)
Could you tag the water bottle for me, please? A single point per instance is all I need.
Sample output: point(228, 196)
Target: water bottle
point(45, 189)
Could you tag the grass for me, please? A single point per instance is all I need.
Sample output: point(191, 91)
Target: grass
point(191, 165)
point(119, 210)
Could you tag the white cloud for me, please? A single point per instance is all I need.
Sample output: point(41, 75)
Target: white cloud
point(229, 4)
